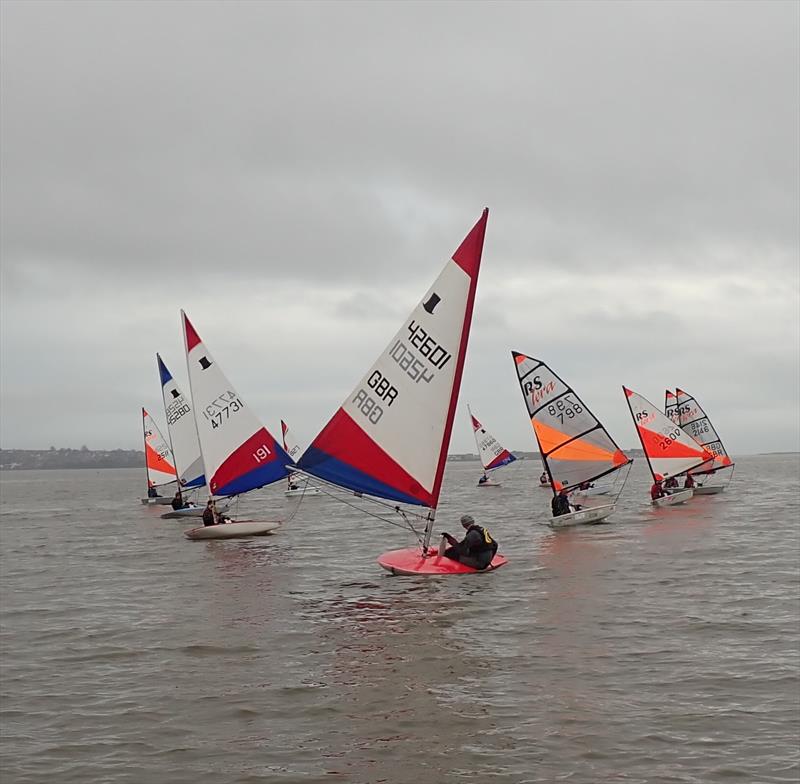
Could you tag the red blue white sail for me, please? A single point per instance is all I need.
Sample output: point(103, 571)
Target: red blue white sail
point(182, 431)
point(491, 452)
point(390, 436)
point(240, 454)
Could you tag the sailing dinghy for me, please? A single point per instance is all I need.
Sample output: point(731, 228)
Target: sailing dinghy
point(575, 447)
point(238, 452)
point(296, 484)
point(159, 463)
point(389, 438)
point(669, 451)
point(694, 421)
point(183, 440)
point(492, 454)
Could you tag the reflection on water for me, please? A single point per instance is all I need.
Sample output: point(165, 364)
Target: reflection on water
point(662, 646)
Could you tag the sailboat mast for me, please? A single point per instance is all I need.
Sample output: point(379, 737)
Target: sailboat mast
point(144, 440)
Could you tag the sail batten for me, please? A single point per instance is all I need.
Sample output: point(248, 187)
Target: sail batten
point(390, 436)
point(574, 445)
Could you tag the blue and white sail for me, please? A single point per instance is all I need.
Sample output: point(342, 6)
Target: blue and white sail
point(182, 431)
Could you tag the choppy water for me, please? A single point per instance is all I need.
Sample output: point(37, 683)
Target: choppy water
point(663, 647)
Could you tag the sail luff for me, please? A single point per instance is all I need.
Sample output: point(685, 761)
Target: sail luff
point(695, 427)
point(477, 236)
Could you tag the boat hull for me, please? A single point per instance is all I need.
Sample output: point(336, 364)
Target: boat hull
point(708, 489)
point(233, 530)
point(578, 495)
point(591, 515)
point(157, 501)
point(681, 497)
point(177, 514)
point(490, 483)
point(411, 561)
point(301, 491)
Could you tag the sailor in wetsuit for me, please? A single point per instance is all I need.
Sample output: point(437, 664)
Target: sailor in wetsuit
point(476, 549)
point(689, 481)
point(152, 491)
point(211, 516)
point(560, 503)
point(178, 502)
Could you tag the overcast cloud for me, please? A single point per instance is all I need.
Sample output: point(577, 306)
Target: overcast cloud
point(294, 175)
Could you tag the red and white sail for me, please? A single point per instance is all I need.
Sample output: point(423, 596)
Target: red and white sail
point(668, 449)
point(696, 423)
point(239, 453)
point(159, 463)
point(492, 454)
point(390, 436)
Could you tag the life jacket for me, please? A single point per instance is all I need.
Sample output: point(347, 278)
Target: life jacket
point(487, 543)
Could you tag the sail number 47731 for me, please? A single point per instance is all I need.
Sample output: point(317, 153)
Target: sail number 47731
point(221, 408)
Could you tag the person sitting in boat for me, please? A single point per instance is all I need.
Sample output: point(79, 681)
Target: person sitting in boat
point(483, 480)
point(211, 516)
point(657, 490)
point(688, 482)
point(560, 503)
point(585, 486)
point(178, 502)
point(152, 491)
point(476, 549)
point(671, 483)
point(543, 480)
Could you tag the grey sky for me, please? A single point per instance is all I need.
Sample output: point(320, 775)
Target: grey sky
point(294, 175)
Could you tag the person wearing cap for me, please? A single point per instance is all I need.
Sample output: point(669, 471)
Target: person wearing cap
point(657, 490)
point(476, 549)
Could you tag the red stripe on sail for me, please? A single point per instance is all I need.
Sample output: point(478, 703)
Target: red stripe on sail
point(655, 445)
point(192, 338)
point(468, 255)
point(244, 459)
point(344, 440)
point(158, 463)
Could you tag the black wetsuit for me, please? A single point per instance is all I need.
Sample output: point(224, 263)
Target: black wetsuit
point(178, 503)
point(208, 516)
point(560, 505)
point(476, 549)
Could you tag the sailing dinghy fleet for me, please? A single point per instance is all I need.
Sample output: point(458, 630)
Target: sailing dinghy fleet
point(387, 443)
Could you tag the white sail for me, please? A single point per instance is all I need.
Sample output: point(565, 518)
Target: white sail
point(390, 436)
point(182, 431)
point(492, 454)
point(239, 453)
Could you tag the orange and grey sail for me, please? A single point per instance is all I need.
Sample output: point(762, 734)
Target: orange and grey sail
point(694, 421)
point(574, 445)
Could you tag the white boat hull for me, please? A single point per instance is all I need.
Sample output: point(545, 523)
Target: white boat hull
point(157, 501)
point(592, 491)
point(490, 483)
point(301, 491)
point(679, 497)
point(708, 489)
point(588, 516)
point(233, 530)
point(177, 514)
